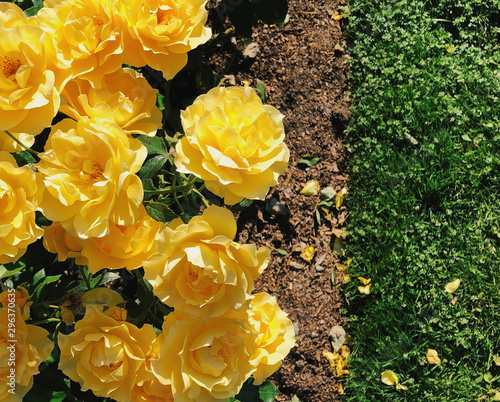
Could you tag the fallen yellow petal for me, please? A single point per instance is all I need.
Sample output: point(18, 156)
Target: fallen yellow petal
point(345, 351)
point(365, 289)
point(389, 377)
point(401, 387)
point(311, 188)
point(341, 390)
point(340, 267)
point(337, 16)
point(364, 281)
point(308, 253)
point(452, 286)
point(432, 357)
point(340, 197)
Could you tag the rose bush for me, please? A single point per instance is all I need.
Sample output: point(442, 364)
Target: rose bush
point(234, 143)
point(108, 188)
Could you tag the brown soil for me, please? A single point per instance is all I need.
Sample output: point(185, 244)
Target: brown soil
point(303, 67)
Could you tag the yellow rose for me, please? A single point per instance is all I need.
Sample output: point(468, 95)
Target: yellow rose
point(126, 98)
point(88, 169)
point(105, 355)
point(125, 246)
point(87, 36)
point(200, 270)
point(58, 241)
point(9, 145)
point(21, 300)
point(160, 33)
point(205, 358)
point(234, 143)
point(32, 75)
point(20, 193)
point(29, 348)
point(276, 335)
point(149, 388)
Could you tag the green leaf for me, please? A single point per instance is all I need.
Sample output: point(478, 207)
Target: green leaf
point(261, 91)
point(160, 212)
point(267, 391)
point(152, 167)
point(23, 158)
point(30, 12)
point(281, 251)
point(5, 272)
point(46, 280)
point(154, 145)
point(309, 160)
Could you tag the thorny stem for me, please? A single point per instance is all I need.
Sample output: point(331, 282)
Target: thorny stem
point(20, 143)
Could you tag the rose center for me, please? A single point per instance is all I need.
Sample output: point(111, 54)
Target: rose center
point(10, 66)
point(92, 172)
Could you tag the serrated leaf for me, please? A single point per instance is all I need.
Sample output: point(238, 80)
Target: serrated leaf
point(154, 145)
point(152, 167)
point(160, 212)
point(267, 391)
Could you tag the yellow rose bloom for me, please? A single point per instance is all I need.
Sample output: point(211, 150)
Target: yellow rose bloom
point(160, 33)
point(276, 335)
point(31, 75)
point(88, 169)
point(149, 388)
point(105, 355)
point(7, 144)
point(87, 35)
point(58, 241)
point(126, 98)
point(200, 270)
point(234, 143)
point(20, 192)
point(125, 246)
point(31, 347)
point(205, 358)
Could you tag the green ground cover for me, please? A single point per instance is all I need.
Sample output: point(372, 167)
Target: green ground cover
point(424, 199)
